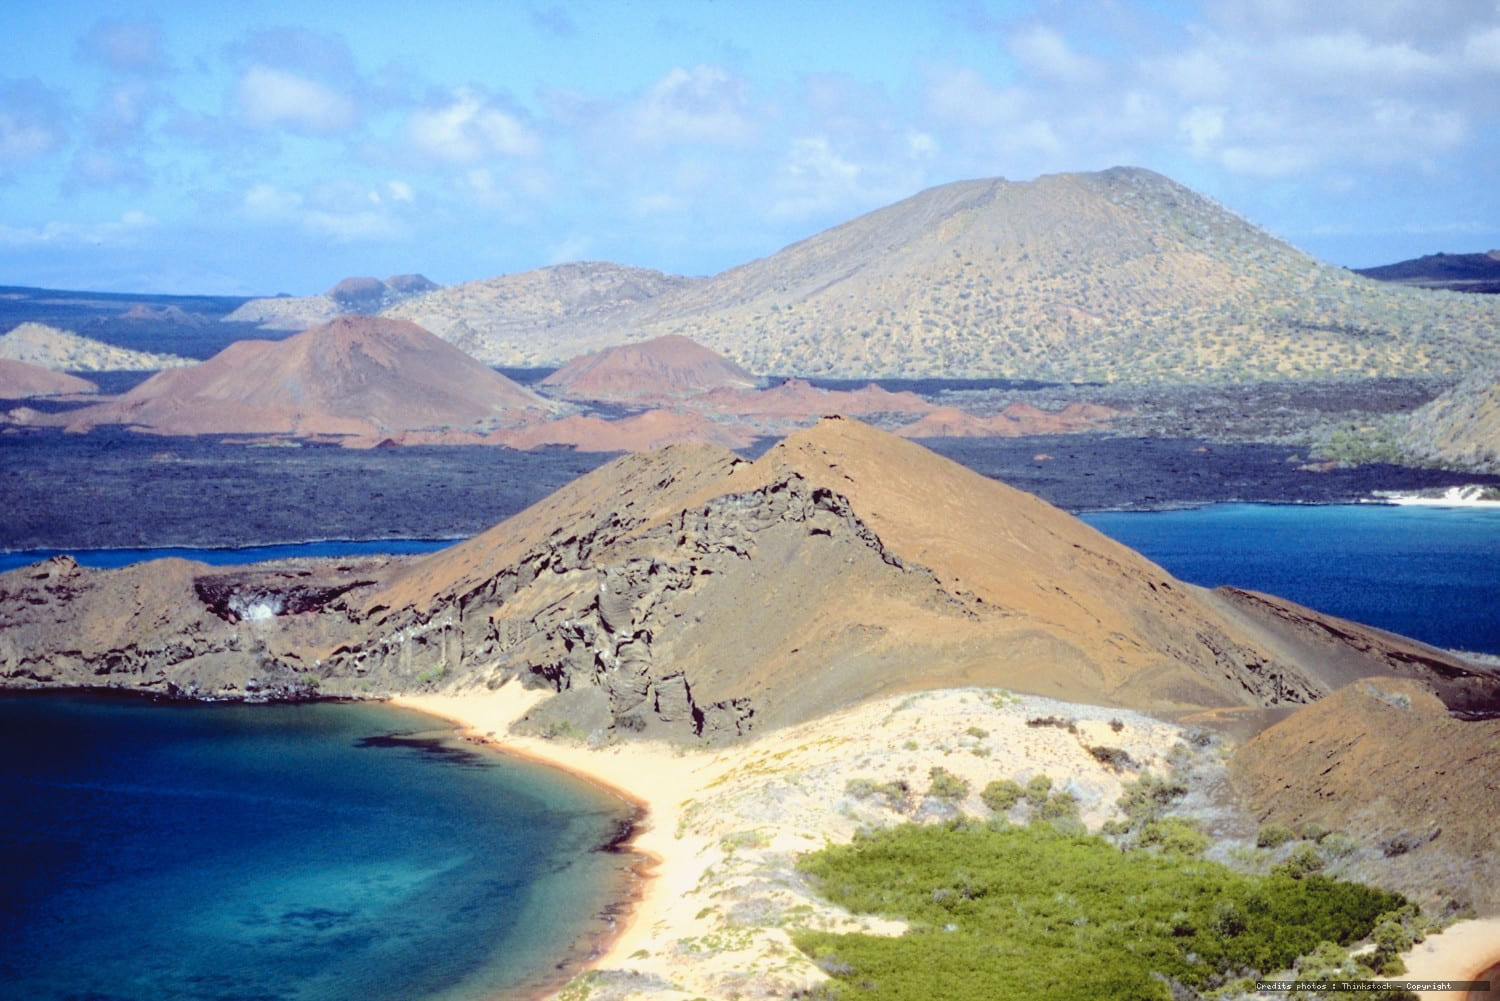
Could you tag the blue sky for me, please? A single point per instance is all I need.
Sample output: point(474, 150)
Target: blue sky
point(252, 148)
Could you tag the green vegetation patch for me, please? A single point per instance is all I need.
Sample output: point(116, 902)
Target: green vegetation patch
point(998, 911)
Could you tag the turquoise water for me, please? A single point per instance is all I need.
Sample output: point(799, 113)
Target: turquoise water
point(295, 853)
point(1429, 573)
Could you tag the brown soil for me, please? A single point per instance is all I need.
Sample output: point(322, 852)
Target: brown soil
point(1383, 760)
point(663, 368)
point(21, 380)
point(354, 376)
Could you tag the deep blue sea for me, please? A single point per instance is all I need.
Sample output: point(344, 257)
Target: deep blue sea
point(1429, 573)
point(284, 853)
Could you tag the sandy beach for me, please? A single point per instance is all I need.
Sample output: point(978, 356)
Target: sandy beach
point(1464, 951)
point(725, 827)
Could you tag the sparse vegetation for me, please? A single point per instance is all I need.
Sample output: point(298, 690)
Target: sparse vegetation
point(1274, 836)
point(1002, 794)
point(1113, 758)
point(895, 794)
point(945, 786)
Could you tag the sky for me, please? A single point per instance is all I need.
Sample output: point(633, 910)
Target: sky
point(255, 148)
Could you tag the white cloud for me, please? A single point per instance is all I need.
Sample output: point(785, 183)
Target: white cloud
point(705, 105)
point(272, 98)
point(30, 121)
point(1046, 53)
point(1203, 127)
point(468, 128)
point(1482, 51)
point(130, 224)
point(265, 201)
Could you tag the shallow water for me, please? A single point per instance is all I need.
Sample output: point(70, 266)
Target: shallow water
point(297, 853)
point(1428, 573)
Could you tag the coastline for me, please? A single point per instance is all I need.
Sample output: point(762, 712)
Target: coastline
point(718, 897)
point(485, 717)
point(1462, 951)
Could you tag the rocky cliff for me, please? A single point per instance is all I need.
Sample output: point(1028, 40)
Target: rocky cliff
point(691, 593)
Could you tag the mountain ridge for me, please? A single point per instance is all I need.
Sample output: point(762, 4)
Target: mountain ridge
point(690, 593)
point(1119, 275)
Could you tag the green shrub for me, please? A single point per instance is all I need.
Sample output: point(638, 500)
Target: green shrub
point(1068, 916)
point(896, 794)
point(1056, 806)
point(1173, 835)
point(1148, 797)
point(1038, 789)
point(1274, 836)
point(1002, 794)
point(1303, 861)
point(1337, 844)
point(944, 785)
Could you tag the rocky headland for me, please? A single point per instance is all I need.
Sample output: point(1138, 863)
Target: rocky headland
point(694, 594)
point(770, 654)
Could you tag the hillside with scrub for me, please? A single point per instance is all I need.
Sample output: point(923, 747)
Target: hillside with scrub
point(1119, 275)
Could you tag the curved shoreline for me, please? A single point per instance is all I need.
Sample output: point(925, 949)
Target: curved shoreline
point(481, 719)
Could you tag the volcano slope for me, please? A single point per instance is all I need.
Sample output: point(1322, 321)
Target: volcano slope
point(689, 592)
point(1384, 760)
point(356, 375)
point(663, 368)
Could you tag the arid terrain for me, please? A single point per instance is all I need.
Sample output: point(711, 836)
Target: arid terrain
point(771, 623)
point(1120, 275)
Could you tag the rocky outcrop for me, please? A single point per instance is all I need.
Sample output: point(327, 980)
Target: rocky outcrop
point(173, 628)
point(691, 594)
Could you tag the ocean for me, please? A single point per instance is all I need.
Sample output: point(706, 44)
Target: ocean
point(1429, 573)
point(286, 853)
point(333, 851)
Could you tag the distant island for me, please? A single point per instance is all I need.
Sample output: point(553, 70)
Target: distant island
point(1456, 272)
